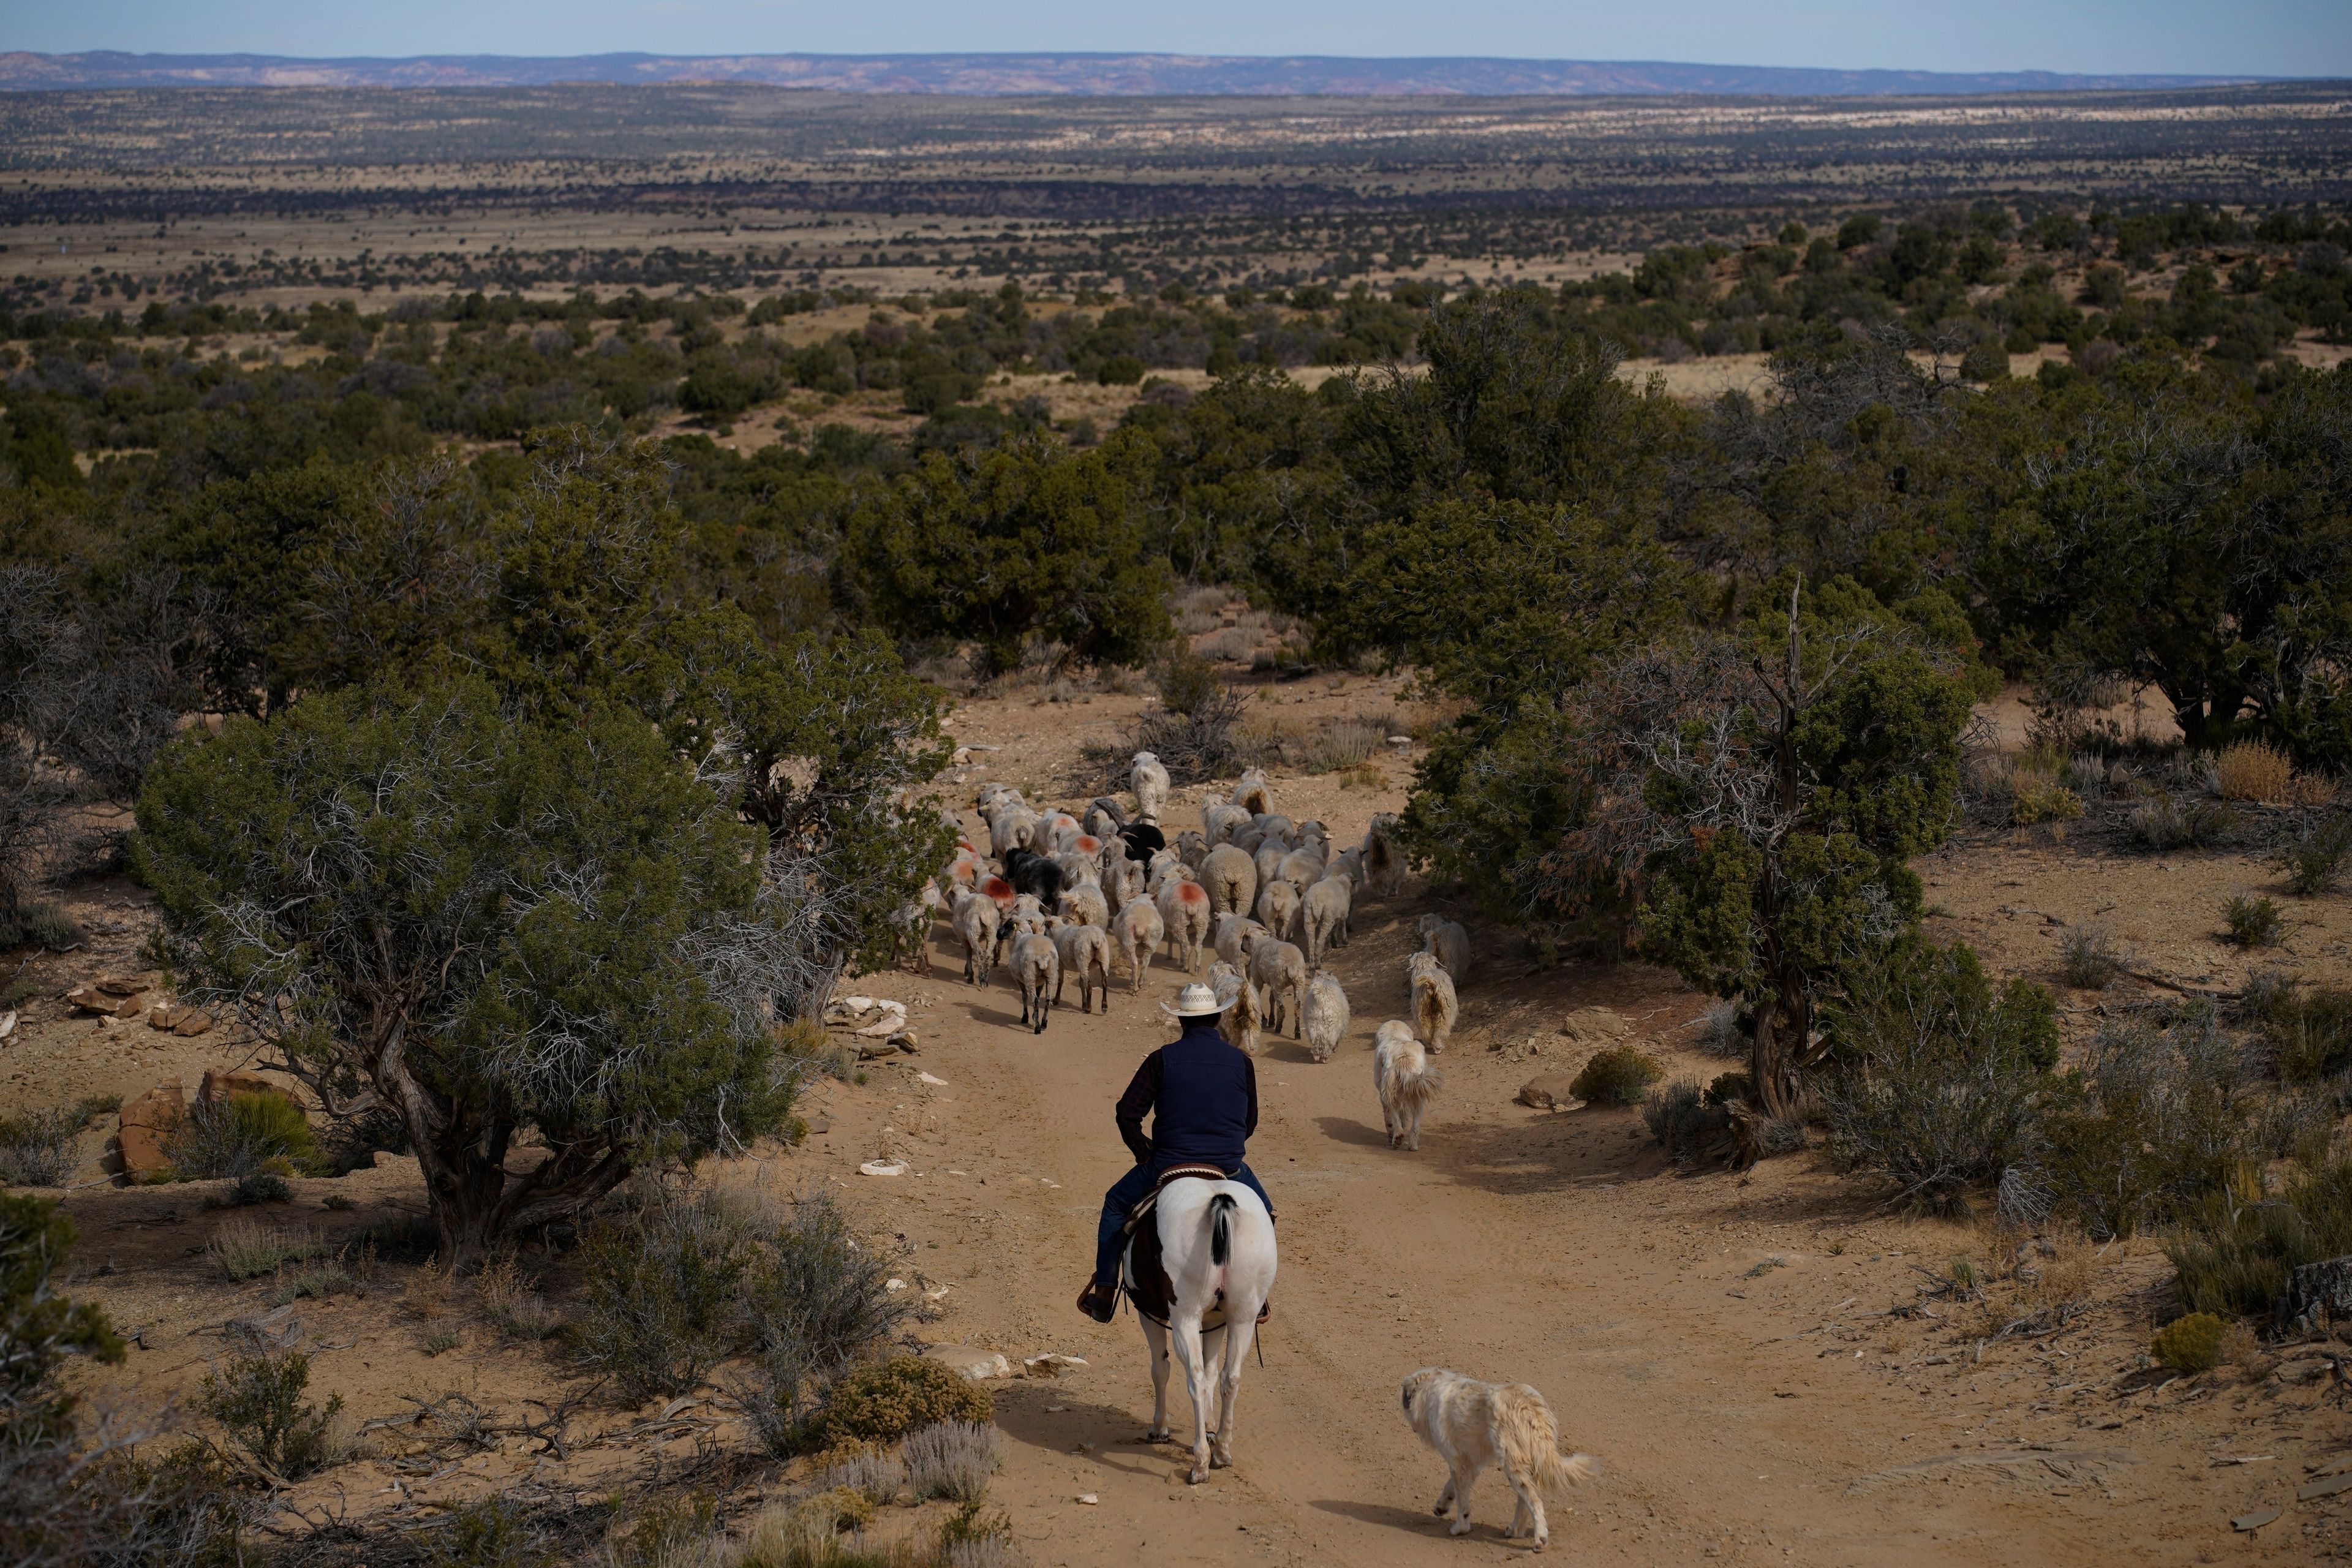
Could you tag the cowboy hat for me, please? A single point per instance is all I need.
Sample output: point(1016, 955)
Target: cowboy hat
point(1195, 1001)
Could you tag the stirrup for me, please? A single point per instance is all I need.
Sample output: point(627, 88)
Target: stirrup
point(1099, 1301)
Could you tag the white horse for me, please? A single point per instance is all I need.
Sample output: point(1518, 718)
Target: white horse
point(1216, 1248)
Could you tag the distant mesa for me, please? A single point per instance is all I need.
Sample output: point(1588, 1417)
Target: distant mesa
point(1054, 74)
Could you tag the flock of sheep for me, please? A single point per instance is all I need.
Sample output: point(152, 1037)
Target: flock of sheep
point(1057, 897)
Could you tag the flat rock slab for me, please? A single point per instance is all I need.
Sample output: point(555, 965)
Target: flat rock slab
point(140, 1129)
point(1549, 1091)
point(970, 1360)
point(1595, 1025)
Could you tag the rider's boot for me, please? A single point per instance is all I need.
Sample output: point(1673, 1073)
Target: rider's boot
point(1099, 1301)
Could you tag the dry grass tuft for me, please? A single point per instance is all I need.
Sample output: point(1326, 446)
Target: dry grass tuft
point(2256, 771)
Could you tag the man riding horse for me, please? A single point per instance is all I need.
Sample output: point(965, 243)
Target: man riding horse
point(1201, 1095)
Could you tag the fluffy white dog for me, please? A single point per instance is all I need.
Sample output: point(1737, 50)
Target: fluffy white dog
point(1473, 1425)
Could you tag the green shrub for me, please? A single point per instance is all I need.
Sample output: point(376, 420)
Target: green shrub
point(241, 1135)
point(2191, 1343)
point(662, 1303)
point(1681, 1117)
point(2235, 1257)
point(39, 925)
point(259, 1399)
point(2315, 859)
point(2310, 1032)
point(1120, 370)
point(2156, 1118)
point(1942, 1082)
point(672, 1532)
point(2253, 921)
point(1617, 1074)
point(247, 1248)
point(37, 1149)
point(490, 1532)
point(882, 1403)
point(2087, 957)
point(2170, 822)
point(2039, 798)
point(1185, 680)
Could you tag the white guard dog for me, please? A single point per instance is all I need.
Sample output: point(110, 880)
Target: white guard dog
point(1473, 1425)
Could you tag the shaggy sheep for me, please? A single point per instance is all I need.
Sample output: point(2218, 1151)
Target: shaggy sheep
point(1122, 880)
point(1323, 916)
point(1231, 879)
point(1221, 819)
point(1244, 1015)
point(1278, 909)
point(1347, 863)
point(1326, 1014)
point(1234, 935)
point(1225, 982)
point(1160, 870)
point(1148, 780)
point(1083, 951)
point(1433, 1007)
point(1383, 861)
point(1138, 930)
point(1312, 833)
point(1037, 969)
point(1273, 825)
point(1449, 944)
point(976, 920)
point(1184, 916)
point(1279, 970)
point(998, 891)
point(1085, 903)
point(1253, 793)
point(966, 870)
point(1405, 1081)
point(910, 927)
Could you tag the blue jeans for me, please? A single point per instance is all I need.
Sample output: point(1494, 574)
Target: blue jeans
point(1125, 1194)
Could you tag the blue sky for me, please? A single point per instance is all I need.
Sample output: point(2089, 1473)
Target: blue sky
point(2270, 38)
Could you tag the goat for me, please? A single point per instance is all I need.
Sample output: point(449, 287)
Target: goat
point(1148, 780)
point(1191, 847)
point(1434, 1009)
point(1326, 1014)
point(976, 920)
point(1138, 930)
point(1105, 816)
point(1083, 951)
point(1323, 916)
point(1405, 1082)
point(1037, 969)
point(1447, 942)
point(1383, 861)
point(1033, 874)
point(1279, 970)
point(910, 927)
point(1231, 879)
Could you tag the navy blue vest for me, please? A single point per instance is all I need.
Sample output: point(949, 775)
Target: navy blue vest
point(1204, 1110)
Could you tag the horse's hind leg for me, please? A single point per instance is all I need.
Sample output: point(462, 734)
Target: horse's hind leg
point(1155, 1339)
point(1187, 1335)
point(1239, 1332)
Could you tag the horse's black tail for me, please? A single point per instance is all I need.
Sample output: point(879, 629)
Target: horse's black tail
point(1221, 1228)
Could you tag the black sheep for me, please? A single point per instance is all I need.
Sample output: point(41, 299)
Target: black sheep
point(1143, 841)
point(1030, 872)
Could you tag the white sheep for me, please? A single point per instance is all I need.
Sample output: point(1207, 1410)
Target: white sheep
point(1138, 930)
point(1225, 983)
point(1350, 864)
point(1220, 819)
point(1191, 847)
point(1148, 780)
point(1323, 916)
point(1279, 970)
point(1011, 828)
point(1434, 1009)
point(1326, 1014)
point(1253, 793)
point(1057, 831)
point(1273, 825)
point(1405, 1081)
point(1078, 868)
point(976, 920)
point(1231, 880)
point(1184, 916)
point(910, 927)
point(1084, 903)
point(1234, 934)
point(1302, 868)
point(1122, 878)
point(1037, 969)
point(1083, 951)
point(1383, 861)
point(1267, 861)
point(1278, 908)
point(1449, 943)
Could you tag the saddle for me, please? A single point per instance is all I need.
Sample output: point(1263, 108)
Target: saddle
point(1145, 1278)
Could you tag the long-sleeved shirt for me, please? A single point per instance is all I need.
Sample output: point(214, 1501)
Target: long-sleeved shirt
point(1201, 1095)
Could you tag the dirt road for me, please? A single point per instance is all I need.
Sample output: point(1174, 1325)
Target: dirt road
point(1720, 1343)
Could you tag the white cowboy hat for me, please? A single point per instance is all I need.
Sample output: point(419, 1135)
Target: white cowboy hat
point(1195, 1001)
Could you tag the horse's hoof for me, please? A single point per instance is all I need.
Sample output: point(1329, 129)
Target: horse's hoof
point(1459, 1526)
point(1157, 1436)
point(1196, 1478)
